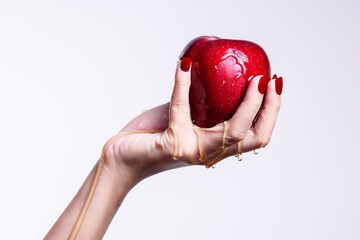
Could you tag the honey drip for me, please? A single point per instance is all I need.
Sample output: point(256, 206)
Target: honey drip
point(200, 143)
point(217, 158)
point(239, 157)
point(239, 150)
point(226, 129)
point(87, 202)
point(176, 141)
point(76, 228)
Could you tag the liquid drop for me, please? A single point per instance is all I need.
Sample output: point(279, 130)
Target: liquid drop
point(217, 158)
point(239, 150)
point(200, 143)
point(239, 157)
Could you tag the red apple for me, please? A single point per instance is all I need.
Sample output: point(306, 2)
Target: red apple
point(221, 69)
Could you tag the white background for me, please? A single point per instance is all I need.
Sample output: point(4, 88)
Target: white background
point(73, 73)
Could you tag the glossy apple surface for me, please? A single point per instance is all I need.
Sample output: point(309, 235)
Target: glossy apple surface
point(220, 73)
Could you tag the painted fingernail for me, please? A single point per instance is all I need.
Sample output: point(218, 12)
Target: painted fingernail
point(279, 85)
point(274, 77)
point(185, 64)
point(263, 84)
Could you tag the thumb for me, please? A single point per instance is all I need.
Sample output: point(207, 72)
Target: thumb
point(179, 105)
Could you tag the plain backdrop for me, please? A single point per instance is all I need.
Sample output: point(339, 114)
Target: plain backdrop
point(73, 73)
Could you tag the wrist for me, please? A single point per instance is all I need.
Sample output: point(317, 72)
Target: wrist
point(118, 179)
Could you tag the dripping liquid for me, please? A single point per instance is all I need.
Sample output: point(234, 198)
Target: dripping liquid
point(202, 157)
point(200, 143)
point(76, 228)
point(224, 147)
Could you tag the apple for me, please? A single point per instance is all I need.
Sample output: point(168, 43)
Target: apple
point(220, 72)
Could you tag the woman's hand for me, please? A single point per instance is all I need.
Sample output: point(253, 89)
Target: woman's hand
point(164, 137)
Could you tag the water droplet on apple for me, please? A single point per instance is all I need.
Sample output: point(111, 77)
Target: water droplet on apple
point(256, 151)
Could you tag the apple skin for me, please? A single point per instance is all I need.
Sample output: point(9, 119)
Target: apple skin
point(220, 73)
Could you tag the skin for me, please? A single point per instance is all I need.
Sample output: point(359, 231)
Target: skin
point(129, 159)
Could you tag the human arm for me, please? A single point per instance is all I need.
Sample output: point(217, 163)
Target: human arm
point(164, 138)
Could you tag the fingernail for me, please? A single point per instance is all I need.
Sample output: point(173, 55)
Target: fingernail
point(263, 84)
point(185, 64)
point(274, 77)
point(279, 85)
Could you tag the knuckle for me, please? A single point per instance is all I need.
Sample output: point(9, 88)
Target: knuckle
point(275, 109)
point(236, 135)
point(167, 143)
point(183, 151)
point(192, 156)
point(187, 152)
point(262, 142)
point(182, 82)
point(180, 106)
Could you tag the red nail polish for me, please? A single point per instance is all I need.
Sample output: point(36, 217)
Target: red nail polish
point(274, 77)
point(185, 64)
point(279, 85)
point(263, 82)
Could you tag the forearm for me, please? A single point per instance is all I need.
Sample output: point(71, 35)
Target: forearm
point(109, 194)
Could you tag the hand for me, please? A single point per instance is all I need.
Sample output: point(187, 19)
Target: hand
point(164, 137)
